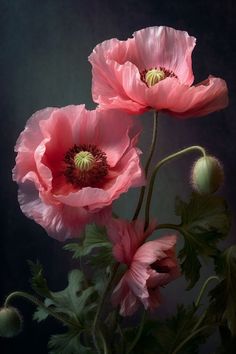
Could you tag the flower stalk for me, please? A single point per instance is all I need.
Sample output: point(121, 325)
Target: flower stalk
point(150, 155)
point(156, 169)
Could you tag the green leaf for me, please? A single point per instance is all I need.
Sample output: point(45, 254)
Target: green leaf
point(96, 245)
point(165, 337)
point(38, 282)
point(75, 301)
point(204, 222)
point(223, 296)
point(68, 343)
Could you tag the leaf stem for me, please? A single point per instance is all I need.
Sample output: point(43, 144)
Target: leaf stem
point(203, 288)
point(156, 169)
point(37, 302)
point(100, 306)
point(150, 154)
point(136, 339)
point(180, 346)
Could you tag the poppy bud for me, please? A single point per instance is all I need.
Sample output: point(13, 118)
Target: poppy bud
point(10, 322)
point(207, 175)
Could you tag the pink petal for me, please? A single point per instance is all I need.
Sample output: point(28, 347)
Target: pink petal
point(151, 251)
point(60, 222)
point(208, 96)
point(123, 296)
point(168, 48)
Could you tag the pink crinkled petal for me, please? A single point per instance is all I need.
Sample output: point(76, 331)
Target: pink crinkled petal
point(123, 296)
point(152, 251)
point(60, 221)
point(166, 47)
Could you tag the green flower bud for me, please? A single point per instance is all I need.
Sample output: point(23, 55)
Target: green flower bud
point(207, 175)
point(10, 322)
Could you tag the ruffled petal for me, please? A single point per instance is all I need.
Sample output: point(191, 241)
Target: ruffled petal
point(123, 296)
point(60, 221)
point(128, 173)
point(152, 251)
point(166, 47)
point(208, 96)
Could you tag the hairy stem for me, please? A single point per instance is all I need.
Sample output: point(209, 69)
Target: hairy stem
point(150, 154)
point(156, 169)
point(39, 303)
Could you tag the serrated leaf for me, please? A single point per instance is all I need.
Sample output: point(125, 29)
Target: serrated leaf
point(223, 296)
point(204, 222)
point(95, 244)
point(68, 343)
point(38, 282)
point(72, 301)
point(164, 337)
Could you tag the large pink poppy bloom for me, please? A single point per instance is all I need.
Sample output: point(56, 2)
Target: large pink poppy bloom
point(151, 265)
point(72, 164)
point(153, 70)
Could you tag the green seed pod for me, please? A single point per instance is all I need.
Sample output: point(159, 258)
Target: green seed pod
point(10, 322)
point(207, 175)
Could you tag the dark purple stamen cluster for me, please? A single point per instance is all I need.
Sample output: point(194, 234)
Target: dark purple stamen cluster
point(91, 178)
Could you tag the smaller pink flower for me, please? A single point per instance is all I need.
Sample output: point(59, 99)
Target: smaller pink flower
point(153, 70)
point(151, 265)
point(72, 164)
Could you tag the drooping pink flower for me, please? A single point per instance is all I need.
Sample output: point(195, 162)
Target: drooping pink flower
point(151, 265)
point(153, 70)
point(72, 164)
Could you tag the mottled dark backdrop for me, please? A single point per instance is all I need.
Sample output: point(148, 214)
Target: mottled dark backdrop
point(44, 47)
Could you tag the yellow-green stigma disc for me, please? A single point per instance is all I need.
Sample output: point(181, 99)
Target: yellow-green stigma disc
point(153, 76)
point(84, 160)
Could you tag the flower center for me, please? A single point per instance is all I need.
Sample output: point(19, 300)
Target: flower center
point(86, 166)
point(152, 76)
point(84, 160)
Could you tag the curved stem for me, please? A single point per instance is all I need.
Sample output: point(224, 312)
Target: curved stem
point(136, 339)
point(180, 346)
point(37, 302)
point(150, 154)
point(156, 169)
point(100, 306)
point(168, 226)
point(202, 291)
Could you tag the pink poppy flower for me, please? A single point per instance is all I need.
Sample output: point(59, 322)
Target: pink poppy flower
point(72, 164)
point(151, 265)
point(153, 70)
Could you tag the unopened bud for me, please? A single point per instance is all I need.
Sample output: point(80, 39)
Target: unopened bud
point(10, 322)
point(207, 175)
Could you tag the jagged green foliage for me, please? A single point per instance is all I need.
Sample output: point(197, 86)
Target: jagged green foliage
point(205, 221)
point(68, 343)
point(223, 297)
point(95, 244)
point(76, 305)
point(38, 282)
point(165, 337)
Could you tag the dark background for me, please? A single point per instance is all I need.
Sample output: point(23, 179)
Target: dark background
point(44, 47)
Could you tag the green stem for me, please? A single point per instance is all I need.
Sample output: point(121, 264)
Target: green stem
point(202, 291)
point(150, 154)
point(180, 346)
point(156, 169)
point(37, 302)
point(169, 226)
point(100, 306)
point(136, 339)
